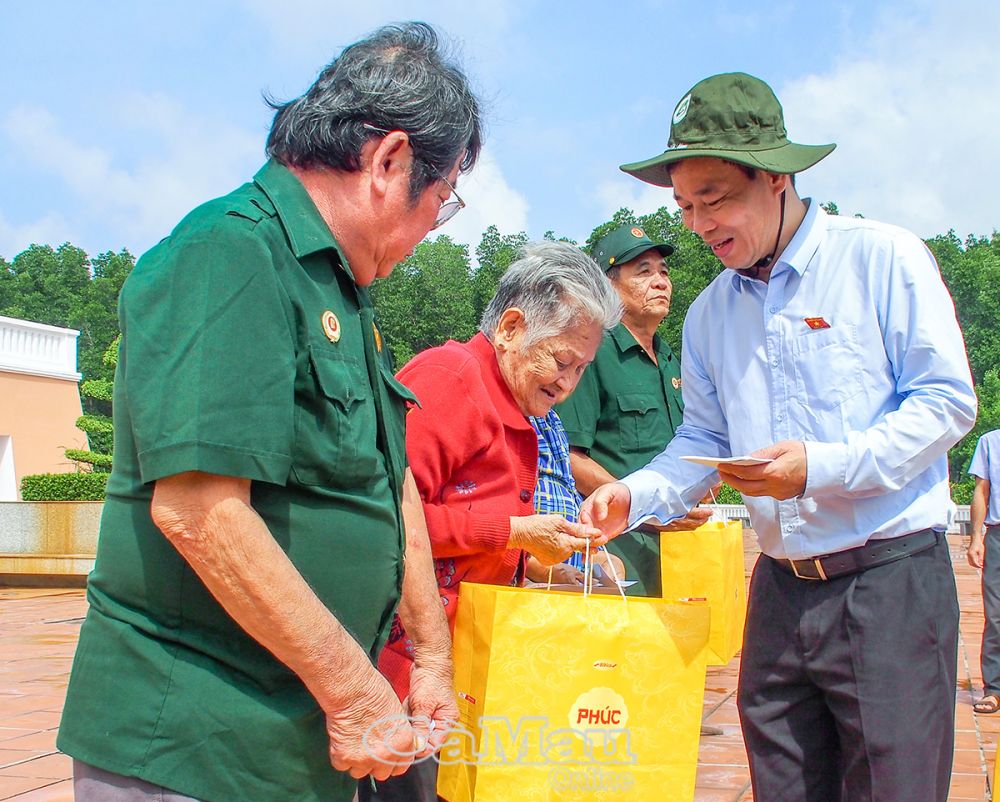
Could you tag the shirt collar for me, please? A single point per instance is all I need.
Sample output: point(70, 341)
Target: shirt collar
point(497, 388)
point(626, 341)
point(802, 246)
point(307, 231)
point(623, 338)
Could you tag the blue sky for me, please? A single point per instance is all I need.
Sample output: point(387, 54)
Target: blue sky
point(118, 117)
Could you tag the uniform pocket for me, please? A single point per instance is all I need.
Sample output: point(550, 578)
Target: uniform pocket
point(637, 420)
point(334, 423)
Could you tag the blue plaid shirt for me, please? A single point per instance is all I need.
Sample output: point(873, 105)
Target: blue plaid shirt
point(555, 492)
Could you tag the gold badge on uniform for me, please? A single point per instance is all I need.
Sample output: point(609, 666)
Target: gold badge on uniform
point(638, 232)
point(378, 338)
point(676, 383)
point(331, 326)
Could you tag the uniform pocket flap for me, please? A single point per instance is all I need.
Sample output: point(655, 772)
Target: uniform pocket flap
point(636, 402)
point(338, 380)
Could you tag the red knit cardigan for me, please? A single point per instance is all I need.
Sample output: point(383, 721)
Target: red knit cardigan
point(474, 456)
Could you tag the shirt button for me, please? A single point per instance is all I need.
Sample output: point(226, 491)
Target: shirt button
point(780, 418)
point(774, 363)
point(525, 496)
point(772, 309)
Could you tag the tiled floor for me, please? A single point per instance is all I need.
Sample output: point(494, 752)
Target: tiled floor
point(38, 631)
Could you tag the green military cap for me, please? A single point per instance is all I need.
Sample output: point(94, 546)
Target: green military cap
point(624, 243)
point(735, 117)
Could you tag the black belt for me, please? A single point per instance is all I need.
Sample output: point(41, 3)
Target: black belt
point(851, 561)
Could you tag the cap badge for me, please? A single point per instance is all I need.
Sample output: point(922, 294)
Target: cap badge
point(331, 326)
point(682, 109)
point(611, 261)
point(638, 233)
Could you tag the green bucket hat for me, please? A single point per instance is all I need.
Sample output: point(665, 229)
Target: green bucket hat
point(735, 117)
point(623, 244)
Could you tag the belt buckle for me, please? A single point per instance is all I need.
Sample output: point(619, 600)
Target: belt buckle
point(816, 564)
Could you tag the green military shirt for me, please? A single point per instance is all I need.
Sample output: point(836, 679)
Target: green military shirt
point(623, 412)
point(247, 350)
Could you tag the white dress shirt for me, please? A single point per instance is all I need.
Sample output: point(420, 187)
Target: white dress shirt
point(853, 347)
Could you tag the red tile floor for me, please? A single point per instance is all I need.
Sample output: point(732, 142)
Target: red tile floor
point(39, 627)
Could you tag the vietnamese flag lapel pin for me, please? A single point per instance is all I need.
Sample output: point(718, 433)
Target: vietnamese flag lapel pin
point(816, 323)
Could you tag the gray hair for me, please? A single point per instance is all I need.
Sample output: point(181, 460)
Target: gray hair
point(557, 286)
point(397, 79)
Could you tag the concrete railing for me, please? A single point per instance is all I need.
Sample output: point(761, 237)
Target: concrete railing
point(739, 512)
point(37, 349)
point(48, 537)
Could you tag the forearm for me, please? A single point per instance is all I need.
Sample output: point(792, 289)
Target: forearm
point(977, 510)
point(890, 454)
point(668, 487)
point(454, 532)
point(242, 566)
point(587, 472)
point(420, 609)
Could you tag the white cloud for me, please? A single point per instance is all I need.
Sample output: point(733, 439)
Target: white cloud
point(186, 161)
point(51, 229)
point(304, 26)
point(490, 200)
point(914, 116)
point(630, 193)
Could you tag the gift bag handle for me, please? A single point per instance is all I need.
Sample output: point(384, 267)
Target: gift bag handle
point(588, 574)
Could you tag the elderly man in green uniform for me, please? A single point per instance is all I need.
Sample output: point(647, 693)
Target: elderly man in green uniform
point(251, 549)
point(628, 404)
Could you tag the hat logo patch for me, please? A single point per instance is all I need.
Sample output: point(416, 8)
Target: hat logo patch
point(682, 109)
point(638, 233)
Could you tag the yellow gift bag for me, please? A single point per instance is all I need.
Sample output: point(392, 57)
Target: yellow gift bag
point(707, 563)
point(565, 698)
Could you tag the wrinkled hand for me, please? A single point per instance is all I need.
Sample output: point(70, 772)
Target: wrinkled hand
point(612, 566)
point(563, 574)
point(607, 508)
point(550, 538)
point(977, 551)
point(370, 734)
point(783, 478)
point(432, 699)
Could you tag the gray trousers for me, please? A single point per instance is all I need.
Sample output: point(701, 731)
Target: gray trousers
point(989, 656)
point(91, 784)
point(847, 687)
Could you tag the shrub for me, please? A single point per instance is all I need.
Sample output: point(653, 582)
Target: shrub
point(64, 487)
point(729, 495)
point(961, 492)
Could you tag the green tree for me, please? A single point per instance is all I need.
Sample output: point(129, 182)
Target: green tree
point(494, 253)
point(972, 272)
point(64, 287)
point(47, 286)
point(426, 300)
point(97, 426)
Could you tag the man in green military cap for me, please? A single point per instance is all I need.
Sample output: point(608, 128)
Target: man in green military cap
point(251, 548)
point(627, 405)
point(829, 351)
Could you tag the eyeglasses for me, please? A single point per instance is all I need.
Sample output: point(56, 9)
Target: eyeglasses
point(449, 208)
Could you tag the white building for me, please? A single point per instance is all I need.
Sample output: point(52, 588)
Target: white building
point(39, 402)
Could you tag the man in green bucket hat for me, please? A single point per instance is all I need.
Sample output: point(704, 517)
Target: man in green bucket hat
point(830, 352)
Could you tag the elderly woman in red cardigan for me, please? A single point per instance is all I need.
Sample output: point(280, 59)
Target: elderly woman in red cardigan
point(473, 452)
